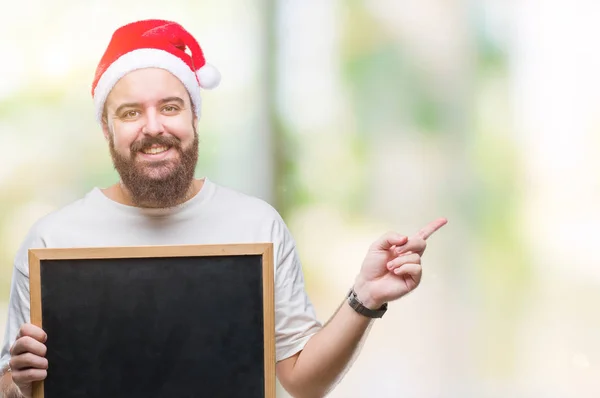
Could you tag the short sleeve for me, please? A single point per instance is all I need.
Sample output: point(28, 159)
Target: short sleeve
point(295, 318)
point(18, 312)
point(18, 301)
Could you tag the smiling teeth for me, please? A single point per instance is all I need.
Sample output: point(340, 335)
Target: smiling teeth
point(155, 150)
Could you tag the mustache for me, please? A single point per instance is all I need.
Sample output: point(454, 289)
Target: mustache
point(147, 142)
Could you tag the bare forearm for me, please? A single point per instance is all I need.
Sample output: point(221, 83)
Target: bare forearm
point(328, 355)
point(8, 388)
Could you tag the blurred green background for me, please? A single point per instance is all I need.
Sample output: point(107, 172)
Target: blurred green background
point(352, 118)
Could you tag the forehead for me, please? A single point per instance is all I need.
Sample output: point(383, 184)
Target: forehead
point(146, 86)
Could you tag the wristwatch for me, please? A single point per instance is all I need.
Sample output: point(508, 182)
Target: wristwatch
point(361, 309)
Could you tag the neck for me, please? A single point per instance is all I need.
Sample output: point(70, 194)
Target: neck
point(120, 194)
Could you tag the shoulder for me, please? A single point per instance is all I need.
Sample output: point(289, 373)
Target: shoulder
point(244, 205)
point(245, 211)
point(63, 216)
point(48, 225)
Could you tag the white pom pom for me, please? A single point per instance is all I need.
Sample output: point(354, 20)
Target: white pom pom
point(208, 76)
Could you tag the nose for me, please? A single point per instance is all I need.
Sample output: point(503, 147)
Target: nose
point(153, 124)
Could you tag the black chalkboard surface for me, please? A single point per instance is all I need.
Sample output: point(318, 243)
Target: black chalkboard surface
point(156, 321)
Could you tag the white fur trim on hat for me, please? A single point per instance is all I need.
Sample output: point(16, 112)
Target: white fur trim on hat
point(208, 76)
point(146, 58)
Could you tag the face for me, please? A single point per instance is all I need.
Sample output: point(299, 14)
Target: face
point(150, 127)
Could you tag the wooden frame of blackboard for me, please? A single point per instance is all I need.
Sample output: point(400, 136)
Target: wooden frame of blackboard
point(36, 256)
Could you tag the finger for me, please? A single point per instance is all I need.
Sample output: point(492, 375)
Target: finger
point(28, 360)
point(414, 245)
point(33, 331)
point(28, 376)
point(404, 259)
point(388, 240)
point(27, 344)
point(430, 228)
point(413, 271)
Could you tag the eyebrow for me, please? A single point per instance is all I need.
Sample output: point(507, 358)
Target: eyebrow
point(162, 101)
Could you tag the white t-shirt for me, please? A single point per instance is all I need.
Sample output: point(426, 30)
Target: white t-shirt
point(216, 215)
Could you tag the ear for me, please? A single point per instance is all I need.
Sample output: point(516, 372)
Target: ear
point(105, 128)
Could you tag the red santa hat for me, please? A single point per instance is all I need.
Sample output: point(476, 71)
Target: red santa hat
point(153, 43)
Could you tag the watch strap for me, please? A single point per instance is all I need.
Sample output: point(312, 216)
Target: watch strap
point(358, 306)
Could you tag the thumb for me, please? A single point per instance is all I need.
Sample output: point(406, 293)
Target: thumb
point(386, 241)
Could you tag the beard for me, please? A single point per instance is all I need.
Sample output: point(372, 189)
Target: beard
point(163, 183)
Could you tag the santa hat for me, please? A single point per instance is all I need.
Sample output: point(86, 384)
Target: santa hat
point(153, 43)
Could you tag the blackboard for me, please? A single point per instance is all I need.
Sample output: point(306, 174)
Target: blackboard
point(156, 321)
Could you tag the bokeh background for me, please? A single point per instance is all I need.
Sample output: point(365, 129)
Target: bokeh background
point(353, 118)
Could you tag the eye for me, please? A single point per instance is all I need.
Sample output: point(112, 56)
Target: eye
point(170, 108)
point(130, 114)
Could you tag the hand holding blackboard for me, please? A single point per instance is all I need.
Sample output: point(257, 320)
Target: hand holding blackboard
point(28, 362)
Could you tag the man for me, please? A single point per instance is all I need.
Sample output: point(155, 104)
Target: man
point(147, 97)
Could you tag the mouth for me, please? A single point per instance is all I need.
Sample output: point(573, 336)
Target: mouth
point(157, 152)
point(156, 149)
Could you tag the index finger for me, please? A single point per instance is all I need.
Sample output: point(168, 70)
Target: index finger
point(430, 228)
point(32, 331)
point(28, 345)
